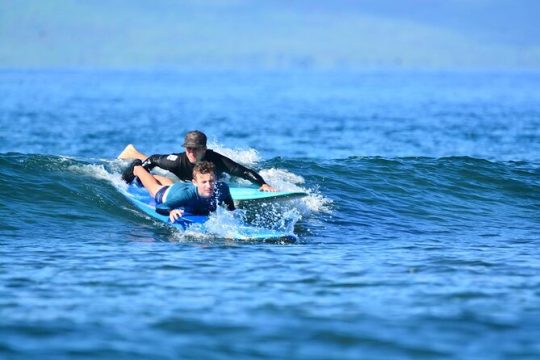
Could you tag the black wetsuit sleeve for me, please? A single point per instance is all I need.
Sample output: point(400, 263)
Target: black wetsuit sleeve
point(165, 162)
point(235, 169)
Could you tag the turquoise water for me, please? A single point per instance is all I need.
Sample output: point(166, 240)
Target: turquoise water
point(419, 237)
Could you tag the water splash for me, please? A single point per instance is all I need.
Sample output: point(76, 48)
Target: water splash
point(109, 171)
point(247, 157)
point(280, 179)
point(284, 180)
point(234, 225)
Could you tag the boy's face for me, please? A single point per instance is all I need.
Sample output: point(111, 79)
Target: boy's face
point(205, 183)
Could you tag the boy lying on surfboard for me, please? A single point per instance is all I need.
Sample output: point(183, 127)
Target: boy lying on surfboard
point(182, 164)
point(200, 196)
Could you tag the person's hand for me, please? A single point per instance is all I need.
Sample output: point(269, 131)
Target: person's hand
point(268, 188)
point(175, 214)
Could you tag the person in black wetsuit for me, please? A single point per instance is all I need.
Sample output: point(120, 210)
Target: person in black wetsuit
point(181, 164)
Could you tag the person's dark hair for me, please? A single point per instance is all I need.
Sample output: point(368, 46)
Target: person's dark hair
point(203, 167)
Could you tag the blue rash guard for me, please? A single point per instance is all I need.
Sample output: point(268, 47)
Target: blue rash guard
point(185, 196)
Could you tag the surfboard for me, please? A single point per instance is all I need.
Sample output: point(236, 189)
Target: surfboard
point(254, 195)
point(139, 197)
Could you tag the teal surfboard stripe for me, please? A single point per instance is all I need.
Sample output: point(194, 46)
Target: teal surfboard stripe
point(254, 194)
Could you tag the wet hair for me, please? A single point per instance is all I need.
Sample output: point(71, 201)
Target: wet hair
point(203, 167)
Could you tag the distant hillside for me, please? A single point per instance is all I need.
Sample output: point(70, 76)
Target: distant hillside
point(270, 34)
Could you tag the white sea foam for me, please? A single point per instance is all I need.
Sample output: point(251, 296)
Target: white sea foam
point(224, 224)
point(247, 157)
point(109, 171)
point(197, 232)
point(284, 180)
point(280, 179)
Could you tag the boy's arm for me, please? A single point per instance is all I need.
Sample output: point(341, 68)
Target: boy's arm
point(175, 214)
point(226, 197)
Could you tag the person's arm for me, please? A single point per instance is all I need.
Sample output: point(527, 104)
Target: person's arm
point(235, 169)
point(173, 208)
point(175, 214)
point(165, 162)
point(163, 210)
point(226, 197)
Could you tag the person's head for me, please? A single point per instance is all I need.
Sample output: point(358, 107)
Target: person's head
point(204, 178)
point(195, 145)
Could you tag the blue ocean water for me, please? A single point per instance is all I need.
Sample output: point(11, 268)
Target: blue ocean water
point(418, 240)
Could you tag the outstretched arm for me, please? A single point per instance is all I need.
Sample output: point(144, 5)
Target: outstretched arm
point(165, 162)
point(228, 200)
point(235, 169)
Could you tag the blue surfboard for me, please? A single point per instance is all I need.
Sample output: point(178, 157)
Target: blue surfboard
point(144, 202)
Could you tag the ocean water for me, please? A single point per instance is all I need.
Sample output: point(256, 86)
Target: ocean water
point(419, 238)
